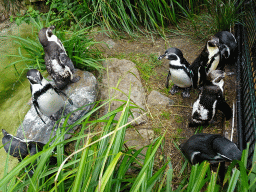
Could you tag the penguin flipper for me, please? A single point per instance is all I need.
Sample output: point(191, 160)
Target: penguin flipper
point(64, 94)
point(167, 80)
point(225, 108)
point(36, 108)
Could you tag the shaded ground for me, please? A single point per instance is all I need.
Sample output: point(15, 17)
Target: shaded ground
point(174, 119)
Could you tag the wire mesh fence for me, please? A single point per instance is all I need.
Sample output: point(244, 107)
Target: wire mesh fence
point(246, 78)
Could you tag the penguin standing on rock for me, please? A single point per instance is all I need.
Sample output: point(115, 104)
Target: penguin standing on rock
point(58, 64)
point(210, 147)
point(45, 97)
point(179, 71)
point(20, 148)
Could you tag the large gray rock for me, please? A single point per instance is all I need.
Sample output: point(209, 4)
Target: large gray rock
point(157, 99)
point(123, 75)
point(82, 93)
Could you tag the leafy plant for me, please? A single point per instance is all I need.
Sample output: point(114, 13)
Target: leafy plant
point(224, 13)
point(76, 43)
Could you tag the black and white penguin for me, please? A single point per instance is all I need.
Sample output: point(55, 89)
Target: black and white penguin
point(219, 50)
point(210, 147)
point(210, 100)
point(58, 64)
point(179, 71)
point(45, 97)
point(20, 148)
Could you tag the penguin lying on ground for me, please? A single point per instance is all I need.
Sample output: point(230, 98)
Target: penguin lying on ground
point(211, 147)
point(45, 97)
point(210, 100)
point(21, 148)
point(58, 64)
point(179, 71)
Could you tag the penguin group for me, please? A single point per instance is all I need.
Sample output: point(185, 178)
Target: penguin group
point(207, 73)
point(46, 96)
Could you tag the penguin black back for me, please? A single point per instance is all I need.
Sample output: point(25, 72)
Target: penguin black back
point(20, 148)
point(211, 147)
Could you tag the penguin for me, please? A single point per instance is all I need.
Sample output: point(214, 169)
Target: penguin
point(219, 50)
point(179, 71)
point(58, 64)
point(45, 97)
point(20, 148)
point(210, 100)
point(210, 147)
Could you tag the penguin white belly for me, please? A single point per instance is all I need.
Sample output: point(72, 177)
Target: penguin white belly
point(215, 63)
point(180, 78)
point(64, 72)
point(50, 102)
point(197, 107)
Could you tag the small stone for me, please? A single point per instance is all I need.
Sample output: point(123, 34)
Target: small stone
point(157, 99)
point(83, 92)
point(139, 138)
point(110, 43)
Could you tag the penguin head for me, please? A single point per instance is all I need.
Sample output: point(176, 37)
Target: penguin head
point(44, 34)
point(213, 42)
point(224, 51)
point(172, 54)
point(34, 76)
point(4, 132)
point(49, 30)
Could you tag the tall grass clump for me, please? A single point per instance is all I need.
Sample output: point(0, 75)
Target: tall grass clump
point(99, 161)
point(133, 17)
point(224, 13)
point(77, 44)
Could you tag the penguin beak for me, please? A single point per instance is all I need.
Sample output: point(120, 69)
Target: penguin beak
point(161, 57)
point(52, 27)
point(4, 132)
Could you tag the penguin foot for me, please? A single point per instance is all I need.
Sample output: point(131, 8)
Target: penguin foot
point(75, 79)
point(174, 89)
point(186, 93)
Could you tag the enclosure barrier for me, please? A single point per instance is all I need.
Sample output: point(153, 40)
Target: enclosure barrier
point(246, 78)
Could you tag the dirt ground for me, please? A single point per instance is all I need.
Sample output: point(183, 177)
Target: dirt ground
point(175, 118)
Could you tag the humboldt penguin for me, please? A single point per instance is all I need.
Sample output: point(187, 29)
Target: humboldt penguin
point(210, 147)
point(210, 99)
point(179, 71)
point(219, 50)
point(45, 97)
point(58, 64)
point(20, 148)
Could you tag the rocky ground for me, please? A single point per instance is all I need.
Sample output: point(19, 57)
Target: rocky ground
point(166, 112)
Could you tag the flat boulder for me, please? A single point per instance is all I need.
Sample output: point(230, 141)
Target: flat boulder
point(120, 78)
point(83, 94)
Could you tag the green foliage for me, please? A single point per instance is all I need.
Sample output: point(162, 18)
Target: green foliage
point(224, 13)
point(11, 6)
point(98, 164)
point(77, 44)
